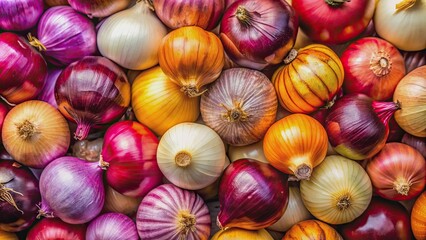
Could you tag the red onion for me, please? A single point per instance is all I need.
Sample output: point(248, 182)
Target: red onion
point(55, 228)
point(20, 15)
point(112, 226)
point(91, 92)
point(418, 143)
point(99, 8)
point(258, 33)
point(47, 94)
point(72, 189)
point(395, 131)
point(130, 148)
point(4, 155)
point(64, 36)
point(414, 60)
point(252, 195)
point(169, 212)
point(4, 109)
point(357, 127)
point(23, 69)
point(19, 196)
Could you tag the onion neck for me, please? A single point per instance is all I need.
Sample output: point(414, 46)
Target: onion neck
point(303, 172)
point(290, 56)
point(244, 16)
point(343, 202)
point(380, 63)
point(44, 211)
point(82, 131)
point(235, 114)
point(183, 159)
point(6, 196)
point(186, 223)
point(404, 5)
point(402, 187)
point(336, 2)
point(385, 110)
point(36, 43)
point(102, 164)
point(191, 90)
point(26, 130)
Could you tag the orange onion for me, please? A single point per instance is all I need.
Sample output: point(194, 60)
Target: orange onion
point(312, 229)
point(418, 217)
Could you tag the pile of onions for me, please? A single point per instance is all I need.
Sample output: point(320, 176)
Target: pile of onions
point(19, 196)
point(55, 228)
point(92, 91)
point(72, 190)
point(312, 229)
point(416, 142)
point(88, 150)
point(240, 106)
point(4, 109)
point(64, 36)
point(373, 67)
point(20, 15)
point(24, 70)
point(35, 133)
point(253, 151)
point(168, 212)
point(338, 191)
point(397, 172)
point(418, 217)
point(295, 145)
point(112, 226)
point(247, 188)
point(117, 202)
point(357, 126)
point(132, 37)
point(258, 33)
point(242, 234)
point(47, 94)
point(191, 155)
point(99, 8)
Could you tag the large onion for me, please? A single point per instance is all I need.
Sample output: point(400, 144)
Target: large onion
point(19, 15)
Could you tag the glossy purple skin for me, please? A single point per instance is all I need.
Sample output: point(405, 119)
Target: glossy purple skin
point(382, 220)
point(112, 226)
point(67, 35)
point(130, 148)
point(252, 195)
point(55, 228)
point(4, 109)
point(23, 70)
point(47, 94)
point(20, 15)
point(418, 143)
point(23, 181)
point(72, 189)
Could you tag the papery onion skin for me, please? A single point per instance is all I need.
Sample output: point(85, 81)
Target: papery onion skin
point(4, 109)
point(92, 92)
point(418, 217)
point(117, 202)
point(112, 226)
point(247, 188)
point(415, 142)
point(99, 8)
point(240, 106)
point(55, 228)
point(47, 94)
point(258, 33)
point(20, 15)
point(172, 213)
point(398, 172)
point(24, 70)
point(312, 229)
point(242, 234)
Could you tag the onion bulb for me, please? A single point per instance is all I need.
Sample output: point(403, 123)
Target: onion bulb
point(242, 234)
point(418, 217)
point(252, 151)
point(312, 229)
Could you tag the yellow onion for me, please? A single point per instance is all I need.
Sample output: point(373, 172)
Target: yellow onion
point(8, 236)
point(242, 234)
point(252, 151)
point(312, 229)
point(159, 104)
point(338, 192)
point(117, 202)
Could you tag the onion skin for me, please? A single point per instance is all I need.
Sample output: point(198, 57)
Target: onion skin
point(47, 94)
point(20, 15)
point(55, 228)
point(253, 151)
point(398, 172)
point(242, 234)
point(4, 109)
point(415, 142)
point(99, 8)
point(112, 226)
point(395, 131)
point(8, 235)
point(264, 36)
point(247, 188)
point(52, 3)
point(418, 217)
point(117, 202)
point(414, 60)
point(312, 229)
point(24, 70)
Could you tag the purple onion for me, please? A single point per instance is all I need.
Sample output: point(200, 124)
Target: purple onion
point(20, 15)
point(72, 189)
point(65, 36)
point(418, 143)
point(112, 226)
point(47, 94)
point(4, 109)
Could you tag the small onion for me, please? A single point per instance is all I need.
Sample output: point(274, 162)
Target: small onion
point(168, 212)
point(55, 228)
point(116, 202)
point(99, 8)
point(47, 94)
point(88, 150)
point(312, 229)
point(240, 106)
point(112, 226)
point(19, 15)
point(242, 234)
point(415, 142)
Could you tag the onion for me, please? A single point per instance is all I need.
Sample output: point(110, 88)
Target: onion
point(19, 196)
point(91, 92)
point(55, 228)
point(23, 72)
point(88, 150)
point(338, 191)
point(72, 189)
point(47, 94)
point(8, 235)
point(252, 195)
point(312, 229)
point(398, 172)
point(112, 226)
point(4, 109)
point(242, 234)
point(168, 212)
point(372, 66)
point(253, 151)
point(35, 133)
point(258, 33)
point(357, 127)
point(395, 131)
point(99, 8)
point(415, 142)
point(211, 192)
point(414, 60)
point(64, 36)
point(418, 217)
point(117, 202)
point(130, 149)
point(19, 15)
point(240, 106)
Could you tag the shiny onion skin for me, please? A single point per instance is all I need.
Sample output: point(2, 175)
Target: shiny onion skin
point(414, 60)
point(64, 36)
point(117, 202)
point(158, 102)
point(24, 70)
point(252, 195)
point(191, 57)
point(397, 172)
point(418, 217)
point(47, 94)
point(92, 92)
point(373, 67)
point(240, 106)
point(312, 229)
point(180, 13)
point(55, 228)
point(20, 15)
point(357, 126)
point(415, 142)
point(310, 79)
point(4, 109)
point(99, 8)
point(256, 34)
point(112, 226)
point(130, 148)
point(333, 21)
point(19, 196)
point(169, 212)
point(242, 234)
point(295, 145)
